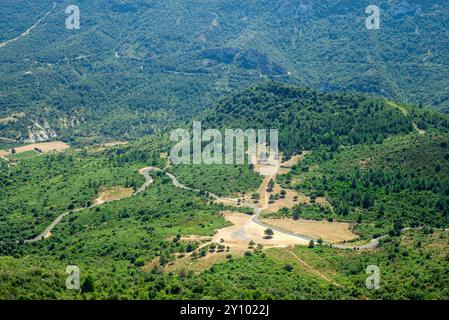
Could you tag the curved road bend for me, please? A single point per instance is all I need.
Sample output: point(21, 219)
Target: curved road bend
point(148, 181)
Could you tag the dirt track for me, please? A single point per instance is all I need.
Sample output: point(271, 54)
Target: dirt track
point(245, 228)
point(43, 147)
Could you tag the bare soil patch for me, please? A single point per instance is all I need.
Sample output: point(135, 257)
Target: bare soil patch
point(194, 238)
point(7, 120)
point(196, 265)
point(245, 230)
point(108, 145)
point(4, 139)
point(322, 201)
point(112, 194)
point(291, 199)
point(328, 231)
point(149, 265)
point(43, 147)
point(18, 115)
point(294, 159)
point(12, 118)
point(237, 237)
point(114, 144)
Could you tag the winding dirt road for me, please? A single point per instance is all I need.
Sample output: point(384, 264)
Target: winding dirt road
point(44, 234)
point(254, 219)
point(148, 181)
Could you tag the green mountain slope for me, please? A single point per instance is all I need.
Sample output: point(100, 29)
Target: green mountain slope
point(307, 119)
point(382, 188)
point(134, 67)
point(128, 246)
point(370, 158)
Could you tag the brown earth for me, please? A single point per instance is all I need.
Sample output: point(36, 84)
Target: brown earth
point(193, 238)
point(107, 145)
point(245, 230)
point(322, 201)
point(43, 147)
point(287, 202)
point(328, 231)
point(7, 120)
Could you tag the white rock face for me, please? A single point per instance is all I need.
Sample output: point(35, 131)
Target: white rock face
point(40, 133)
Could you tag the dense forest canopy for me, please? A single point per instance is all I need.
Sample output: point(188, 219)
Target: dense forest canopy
point(307, 119)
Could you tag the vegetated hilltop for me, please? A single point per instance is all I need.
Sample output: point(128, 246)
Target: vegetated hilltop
point(307, 119)
point(134, 67)
point(372, 158)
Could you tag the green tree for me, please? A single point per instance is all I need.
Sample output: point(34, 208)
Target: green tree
point(269, 233)
point(296, 212)
point(283, 193)
point(88, 284)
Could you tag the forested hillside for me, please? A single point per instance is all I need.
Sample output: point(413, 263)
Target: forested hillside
point(368, 155)
point(372, 159)
point(363, 133)
point(307, 119)
point(383, 188)
point(160, 62)
point(40, 188)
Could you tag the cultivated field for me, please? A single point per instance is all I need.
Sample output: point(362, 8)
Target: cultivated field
point(43, 147)
point(328, 231)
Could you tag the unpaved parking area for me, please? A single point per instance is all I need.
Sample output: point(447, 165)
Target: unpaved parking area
point(328, 231)
point(237, 237)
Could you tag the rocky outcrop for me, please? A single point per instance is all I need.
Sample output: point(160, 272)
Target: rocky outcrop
point(251, 59)
point(70, 121)
point(40, 132)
